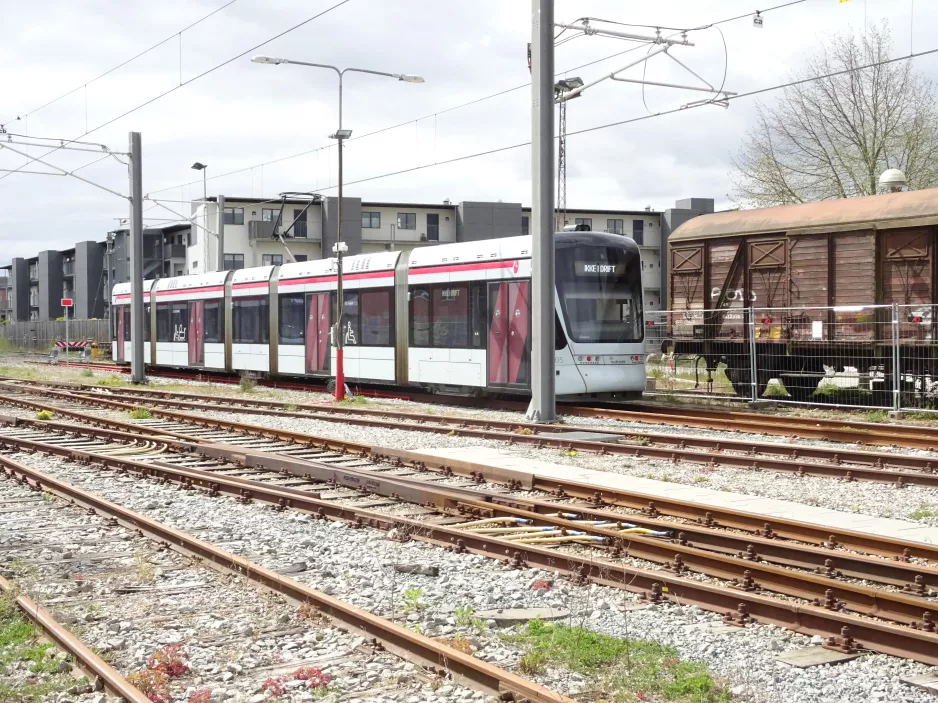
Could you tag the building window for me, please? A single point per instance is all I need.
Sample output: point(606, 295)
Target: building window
point(638, 231)
point(588, 221)
point(213, 322)
point(299, 223)
point(233, 262)
point(615, 226)
point(269, 215)
point(371, 220)
point(407, 220)
point(292, 319)
point(525, 224)
point(250, 321)
point(272, 260)
point(233, 216)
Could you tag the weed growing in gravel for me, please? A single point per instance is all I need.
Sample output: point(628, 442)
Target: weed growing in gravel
point(113, 381)
point(924, 510)
point(140, 414)
point(314, 675)
point(412, 600)
point(355, 400)
point(87, 373)
point(200, 695)
point(44, 415)
point(171, 660)
point(700, 478)
point(153, 684)
point(876, 416)
point(465, 617)
point(248, 383)
point(637, 439)
point(458, 643)
point(290, 407)
point(621, 667)
point(145, 570)
point(568, 452)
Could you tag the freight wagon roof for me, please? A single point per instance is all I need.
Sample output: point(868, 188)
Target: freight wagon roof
point(887, 211)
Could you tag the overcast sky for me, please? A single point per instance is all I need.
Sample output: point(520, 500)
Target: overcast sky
point(244, 114)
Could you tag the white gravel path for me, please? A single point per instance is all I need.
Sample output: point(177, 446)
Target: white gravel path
point(356, 565)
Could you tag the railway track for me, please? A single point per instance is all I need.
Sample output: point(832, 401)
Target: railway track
point(386, 638)
point(825, 429)
point(847, 463)
point(298, 477)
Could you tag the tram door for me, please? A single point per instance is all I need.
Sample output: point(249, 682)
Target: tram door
point(509, 349)
point(119, 311)
point(317, 332)
point(196, 333)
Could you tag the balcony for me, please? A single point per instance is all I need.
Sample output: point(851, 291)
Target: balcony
point(174, 251)
point(34, 273)
point(258, 229)
point(68, 268)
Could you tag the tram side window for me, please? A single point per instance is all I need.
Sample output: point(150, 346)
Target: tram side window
point(376, 318)
point(127, 324)
point(250, 321)
point(180, 321)
point(451, 316)
point(478, 315)
point(164, 323)
point(292, 319)
point(420, 317)
point(213, 320)
point(351, 323)
point(146, 323)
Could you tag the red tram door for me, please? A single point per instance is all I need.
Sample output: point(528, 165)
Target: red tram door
point(508, 351)
point(196, 333)
point(119, 311)
point(317, 332)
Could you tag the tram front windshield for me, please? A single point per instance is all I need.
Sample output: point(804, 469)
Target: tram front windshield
point(600, 291)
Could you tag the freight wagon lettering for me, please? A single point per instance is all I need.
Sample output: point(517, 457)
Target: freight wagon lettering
point(733, 295)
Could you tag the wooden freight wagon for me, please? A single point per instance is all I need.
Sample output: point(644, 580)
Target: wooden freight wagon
point(812, 275)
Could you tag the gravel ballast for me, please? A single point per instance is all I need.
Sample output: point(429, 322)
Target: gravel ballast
point(357, 566)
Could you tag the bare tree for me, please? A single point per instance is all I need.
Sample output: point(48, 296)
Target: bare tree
point(833, 137)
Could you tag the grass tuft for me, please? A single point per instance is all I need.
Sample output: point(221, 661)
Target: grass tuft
point(45, 415)
point(624, 669)
point(140, 414)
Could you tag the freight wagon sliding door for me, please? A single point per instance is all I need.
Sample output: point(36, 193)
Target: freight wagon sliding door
point(119, 310)
point(317, 332)
point(196, 333)
point(509, 351)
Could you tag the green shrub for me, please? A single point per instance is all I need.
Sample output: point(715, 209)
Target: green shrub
point(140, 414)
point(44, 415)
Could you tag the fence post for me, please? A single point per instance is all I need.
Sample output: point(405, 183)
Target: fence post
point(754, 379)
point(896, 368)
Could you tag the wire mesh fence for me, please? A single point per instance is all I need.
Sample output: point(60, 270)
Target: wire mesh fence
point(41, 335)
point(871, 356)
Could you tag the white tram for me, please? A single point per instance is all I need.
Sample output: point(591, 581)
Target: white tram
point(453, 318)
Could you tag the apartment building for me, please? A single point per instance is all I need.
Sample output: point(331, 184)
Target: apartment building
point(259, 231)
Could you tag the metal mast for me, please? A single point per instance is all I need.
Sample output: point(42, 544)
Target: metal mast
point(562, 167)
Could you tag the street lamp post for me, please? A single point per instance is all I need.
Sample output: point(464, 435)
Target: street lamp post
point(197, 166)
point(340, 247)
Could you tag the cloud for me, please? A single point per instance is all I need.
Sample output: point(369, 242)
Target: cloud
point(246, 114)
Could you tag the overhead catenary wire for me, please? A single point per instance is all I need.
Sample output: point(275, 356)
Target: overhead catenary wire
point(84, 86)
point(194, 78)
point(642, 118)
point(475, 101)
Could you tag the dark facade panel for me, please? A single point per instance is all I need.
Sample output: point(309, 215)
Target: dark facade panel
point(351, 225)
point(482, 220)
point(89, 280)
point(50, 285)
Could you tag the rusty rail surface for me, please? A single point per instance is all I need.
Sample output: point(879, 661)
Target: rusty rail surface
point(410, 645)
point(765, 546)
point(99, 671)
point(650, 505)
point(917, 641)
point(746, 455)
point(850, 431)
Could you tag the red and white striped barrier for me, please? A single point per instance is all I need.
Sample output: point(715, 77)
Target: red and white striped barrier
point(73, 345)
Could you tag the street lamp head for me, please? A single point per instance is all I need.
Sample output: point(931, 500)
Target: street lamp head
point(569, 84)
point(341, 134)
point(198, 166)
point(267, 59)
point(408, 78)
